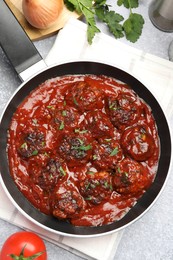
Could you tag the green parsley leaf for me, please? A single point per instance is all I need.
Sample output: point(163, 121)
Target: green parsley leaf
point(75, 4)
point(128, 3)
point(69, 5)
point(91, 31)
point(90, 19)
point(133, 27)
point(113, 20)
point(100, 2)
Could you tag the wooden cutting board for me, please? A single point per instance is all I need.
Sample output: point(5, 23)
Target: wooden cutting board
point(36, 34)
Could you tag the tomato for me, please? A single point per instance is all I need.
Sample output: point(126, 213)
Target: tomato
point(23, 245)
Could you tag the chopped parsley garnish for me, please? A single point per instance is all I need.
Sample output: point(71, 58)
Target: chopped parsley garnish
point(62, 171)
point(75, 101)
point(95, 157)
point(114, 152)
point(61, 127)
point(80, 131)
point(64, 113)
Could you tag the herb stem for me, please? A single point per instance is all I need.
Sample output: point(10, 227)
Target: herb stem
point(130, 7)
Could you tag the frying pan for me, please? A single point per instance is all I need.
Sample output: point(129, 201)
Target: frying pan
point(24, 57)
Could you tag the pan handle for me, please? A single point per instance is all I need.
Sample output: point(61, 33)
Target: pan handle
point(17, 46)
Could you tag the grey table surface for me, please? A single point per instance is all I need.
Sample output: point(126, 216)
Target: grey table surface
point(151, 237)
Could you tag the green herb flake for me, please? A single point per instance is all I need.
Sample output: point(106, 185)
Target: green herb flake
point(106, 184)
point(35, 152)
point(95, 157)
point(64, 113)
point(114, 152)
point(87, 186)
point(119, 170)
point(50, 107)
point(43, 144)
point(34, 121)
point(24, 146)
point(62, 171)
point(108, 140)
point(61, 127)
point(88, 198)
point(81, 147)
point(90, 172)
point(80, 131)
point(85, 148)
point(75, 101)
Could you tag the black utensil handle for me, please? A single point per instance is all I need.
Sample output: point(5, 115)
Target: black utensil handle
point(14, 41)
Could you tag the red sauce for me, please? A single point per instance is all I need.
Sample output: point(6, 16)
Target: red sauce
point(83, 149)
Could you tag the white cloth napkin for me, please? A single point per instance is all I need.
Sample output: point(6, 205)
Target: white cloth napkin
point(154, 72)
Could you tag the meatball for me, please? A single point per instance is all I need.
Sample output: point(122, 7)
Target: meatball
point(123, 110)
point(96, 187)
point(131, 177)
point(106, 153)
point(138, 143)
point(75, 148)
point(48, 175)
point(42, 114)
point(66, 201)
point(84, 96)
point(31, 144)
point(64, 117)
point(99, 124)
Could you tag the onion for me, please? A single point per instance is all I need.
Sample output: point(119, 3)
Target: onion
point(42, 13)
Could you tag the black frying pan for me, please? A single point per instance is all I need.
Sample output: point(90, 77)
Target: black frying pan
point(25, 56)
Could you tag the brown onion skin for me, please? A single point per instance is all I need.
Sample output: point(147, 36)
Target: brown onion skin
point(42, 14)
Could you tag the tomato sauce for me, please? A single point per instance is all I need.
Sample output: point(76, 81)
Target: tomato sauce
point(83, 148)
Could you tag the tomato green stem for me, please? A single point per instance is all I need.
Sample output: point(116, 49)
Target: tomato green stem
point(21, 256)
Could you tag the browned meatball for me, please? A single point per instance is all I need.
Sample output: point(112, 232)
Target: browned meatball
point(106, 153)
point(138, 143)
point(66, 201)
point(96, 187)
point(64, 117)
point(99, 124)
point(131, 177)
point(84, 96)
point(31, 143)
point(43, 114)
point(75, 148)
point(123, 110)
point(47, 177)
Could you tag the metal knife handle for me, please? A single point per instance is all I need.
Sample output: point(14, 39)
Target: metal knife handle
point(14, 41)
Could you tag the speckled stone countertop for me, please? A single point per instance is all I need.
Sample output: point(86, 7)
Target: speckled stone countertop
point(151, 237)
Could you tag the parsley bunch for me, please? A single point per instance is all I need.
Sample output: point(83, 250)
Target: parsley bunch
point(131, 28)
